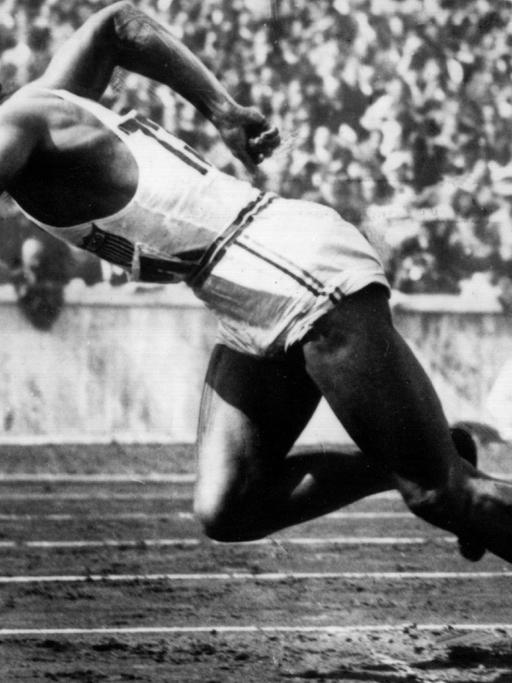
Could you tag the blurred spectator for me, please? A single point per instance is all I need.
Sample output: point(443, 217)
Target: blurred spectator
point(39, 281)
point(40, 262)
point(41, 302)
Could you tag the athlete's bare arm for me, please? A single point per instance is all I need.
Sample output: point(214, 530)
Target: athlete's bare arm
point(21, 130)
point(122, 35)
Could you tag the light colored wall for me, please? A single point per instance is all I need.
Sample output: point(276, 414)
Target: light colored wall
point(105, 368)
point(124, 365)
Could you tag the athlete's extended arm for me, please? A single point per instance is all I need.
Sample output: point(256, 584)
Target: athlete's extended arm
point(122, 35)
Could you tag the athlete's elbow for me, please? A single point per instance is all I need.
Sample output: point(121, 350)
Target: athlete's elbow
point(111, 13)
point(131, 25)
point(104, 28)
point(110, 23)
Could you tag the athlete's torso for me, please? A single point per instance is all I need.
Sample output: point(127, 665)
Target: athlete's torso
point(125, 184)
point(81, 171)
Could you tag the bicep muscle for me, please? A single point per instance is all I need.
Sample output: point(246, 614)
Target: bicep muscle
point(84, 64)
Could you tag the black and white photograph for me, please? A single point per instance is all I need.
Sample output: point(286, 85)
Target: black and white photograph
point(256, 341)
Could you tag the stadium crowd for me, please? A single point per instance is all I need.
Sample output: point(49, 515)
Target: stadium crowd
point(398, 113)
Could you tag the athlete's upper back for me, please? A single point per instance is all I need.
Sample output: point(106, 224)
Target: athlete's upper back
point(97, 173)
point(78, 170)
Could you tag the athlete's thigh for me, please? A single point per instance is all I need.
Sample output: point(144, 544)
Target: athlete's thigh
point(252, 411)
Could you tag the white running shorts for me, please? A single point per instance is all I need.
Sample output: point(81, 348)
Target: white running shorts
point(289, 265)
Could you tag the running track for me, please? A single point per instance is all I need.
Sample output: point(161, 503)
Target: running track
point(105, 575)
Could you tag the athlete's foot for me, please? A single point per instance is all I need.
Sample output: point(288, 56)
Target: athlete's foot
point(469, 546)
point(492, 515)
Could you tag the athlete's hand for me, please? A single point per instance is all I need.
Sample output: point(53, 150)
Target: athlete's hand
point(248, 135)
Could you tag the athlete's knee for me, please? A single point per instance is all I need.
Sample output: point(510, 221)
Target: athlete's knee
point(210, 515)
point(234, 512)
point(211, 509)
point(221, 511)
point(220, 524)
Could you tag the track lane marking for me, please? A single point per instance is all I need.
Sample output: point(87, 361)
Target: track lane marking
point(136, 495)
point(221, 628)
point(111, 440)
point(151, 478)
point(184, 516)
point(44, 478)
point(247, 576)
point(192, 542)
point(106, 495)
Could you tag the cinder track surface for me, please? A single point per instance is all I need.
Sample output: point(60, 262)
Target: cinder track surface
point(105, 576)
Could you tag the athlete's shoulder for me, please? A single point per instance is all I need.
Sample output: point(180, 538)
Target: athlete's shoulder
point(34, 106)
point(28, 103)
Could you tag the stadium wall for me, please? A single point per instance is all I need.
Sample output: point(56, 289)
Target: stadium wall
point(123, 365)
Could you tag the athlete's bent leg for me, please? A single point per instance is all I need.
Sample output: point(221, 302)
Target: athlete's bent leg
point(380, 393)
point(248, 486)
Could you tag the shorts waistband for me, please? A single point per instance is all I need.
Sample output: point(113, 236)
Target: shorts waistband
point(218, 248)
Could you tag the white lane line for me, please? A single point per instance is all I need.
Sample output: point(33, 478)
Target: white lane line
point(112, 440)
point(406, 628)
point(45, 478)
point(151, 479)
point(99, 495)
point(192, 542)
point(348, 540)
point(110, 543)
point(135, 495)
point(370, 515)
point(142, 516)
point(122, 516)
point(134, 478)
point(246, 576)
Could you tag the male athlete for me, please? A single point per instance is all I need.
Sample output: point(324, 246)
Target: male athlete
point(301, 296)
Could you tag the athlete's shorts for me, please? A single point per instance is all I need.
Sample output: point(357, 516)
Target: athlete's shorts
point(288, 267)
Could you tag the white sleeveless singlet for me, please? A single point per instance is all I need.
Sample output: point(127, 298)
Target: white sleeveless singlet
point(183, 211)
point(268, 267)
